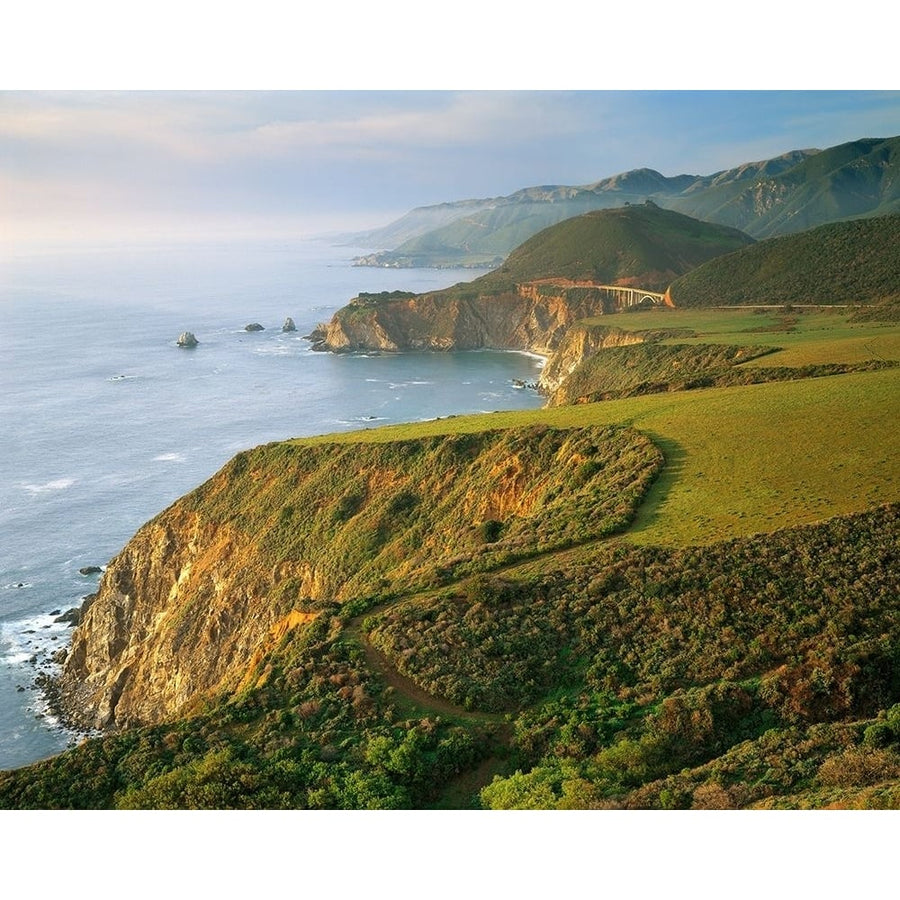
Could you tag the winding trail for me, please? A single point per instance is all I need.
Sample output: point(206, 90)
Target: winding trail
point(407, 688)
point(462, 791)
point(384, 667)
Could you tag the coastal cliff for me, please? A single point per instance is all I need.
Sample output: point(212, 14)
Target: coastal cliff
point(578, 344)
point(520, 319)
point(139, 653)
point(581, 268)
point(289, 532)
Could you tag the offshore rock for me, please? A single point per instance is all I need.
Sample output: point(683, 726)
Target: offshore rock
point(254, 326)
point(187, 339)
point(288, 325)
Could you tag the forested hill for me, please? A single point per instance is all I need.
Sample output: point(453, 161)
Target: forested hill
point(854, 179)
point(843, 263)
point(641, 244)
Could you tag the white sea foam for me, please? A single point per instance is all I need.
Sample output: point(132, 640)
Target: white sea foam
point(32, 640)
point(274, 350)
point(58, 484)
point(169, 457)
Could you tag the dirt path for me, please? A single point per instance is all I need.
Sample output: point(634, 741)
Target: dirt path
point(382, 665)
point(408, 689)
point(462, 791)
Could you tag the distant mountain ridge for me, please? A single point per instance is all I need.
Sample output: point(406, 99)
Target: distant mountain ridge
point(792, 192)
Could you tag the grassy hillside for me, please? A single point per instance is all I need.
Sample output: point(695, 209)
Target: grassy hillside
point(691, 349)
point(733, 467)
point(843, 263)
point(853, 179)
point(342, 522)
point(643, 244)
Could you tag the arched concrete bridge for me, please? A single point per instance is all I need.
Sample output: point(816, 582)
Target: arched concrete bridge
point(623, 297)
point(627, 297)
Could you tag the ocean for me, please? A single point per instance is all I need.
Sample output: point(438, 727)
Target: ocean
point(106, 421)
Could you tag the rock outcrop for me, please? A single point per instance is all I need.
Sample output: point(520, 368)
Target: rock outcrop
point(254, 326)
point(164, 628)
point(520, 320)
point(580, 342)
point(187, 339)
point(289, 325)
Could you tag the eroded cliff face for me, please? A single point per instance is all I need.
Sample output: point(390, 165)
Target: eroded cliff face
point(521, 320)
point(172, 621)
point(578, 344)
point(196, 600)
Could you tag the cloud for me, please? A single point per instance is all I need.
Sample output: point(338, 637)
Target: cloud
point(467, 119)
point(214, 126)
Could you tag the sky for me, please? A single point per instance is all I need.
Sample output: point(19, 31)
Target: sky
point(108, 163)
point(164, 121)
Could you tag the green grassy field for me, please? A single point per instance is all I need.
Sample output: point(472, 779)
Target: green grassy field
point(807, 337)
point(740, 460)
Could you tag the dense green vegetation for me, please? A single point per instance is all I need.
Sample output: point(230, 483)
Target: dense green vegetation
point(322, 733)
point(847, 181)
point(886, 310)
point(670, 599)
point(760, 671)
point(844, 263)
point(378, 518)
point(705, 660)
point(757, 672)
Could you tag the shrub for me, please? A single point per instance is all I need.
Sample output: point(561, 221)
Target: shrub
point(859, 767)
point(490, 531)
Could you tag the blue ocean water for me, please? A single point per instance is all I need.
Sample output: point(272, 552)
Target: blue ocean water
point(106, 421)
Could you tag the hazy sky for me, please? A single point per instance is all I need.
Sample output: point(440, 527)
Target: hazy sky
point(132, 163)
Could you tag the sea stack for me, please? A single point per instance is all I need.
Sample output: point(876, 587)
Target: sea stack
point(187, 339)
point(254, 326)
point(289, 325)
